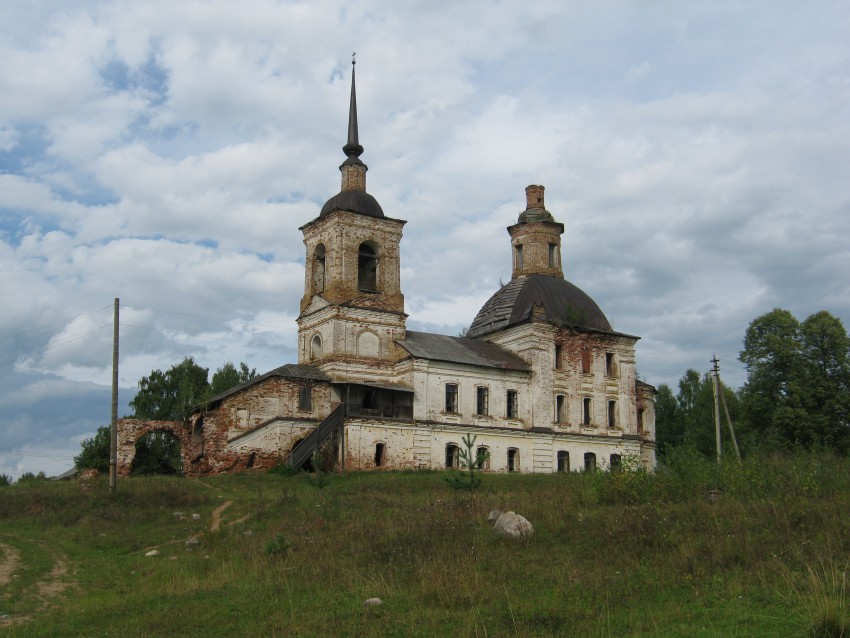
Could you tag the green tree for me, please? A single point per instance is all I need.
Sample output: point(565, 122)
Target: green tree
point(228, 376)
point(157, 453)
point(170, 395)
point(798, 384)
point(95, 451)
point(668, 429)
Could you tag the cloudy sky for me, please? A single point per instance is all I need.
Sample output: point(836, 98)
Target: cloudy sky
point(163, 152)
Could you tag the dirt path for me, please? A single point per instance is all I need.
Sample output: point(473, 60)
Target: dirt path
point(10, 563)
point(216, 515)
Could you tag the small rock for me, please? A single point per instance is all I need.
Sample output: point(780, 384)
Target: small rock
point(371, 602)
point(153, 552)
point(192, 541)
point(178, 514)
point(196, 517)
point(494, 515)
point(512, 525)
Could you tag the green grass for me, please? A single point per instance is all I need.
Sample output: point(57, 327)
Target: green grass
point(756, 549)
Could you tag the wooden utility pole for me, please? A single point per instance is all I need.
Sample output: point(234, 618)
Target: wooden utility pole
point(716, 409)
point(113, 426)
point(720, 398)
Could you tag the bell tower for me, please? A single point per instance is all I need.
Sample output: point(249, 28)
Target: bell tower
point(352, 311)
point(536, 238)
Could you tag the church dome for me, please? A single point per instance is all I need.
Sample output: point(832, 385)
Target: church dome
point(546, 297)
point(359, 202)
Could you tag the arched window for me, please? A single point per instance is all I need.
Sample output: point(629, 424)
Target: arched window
point(563, 461)
point(316, 348)
point(367, 268)
point(482, 458)
point(589, 462)
point(319, 269)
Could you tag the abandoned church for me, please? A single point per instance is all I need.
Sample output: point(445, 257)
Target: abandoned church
point(540, 379)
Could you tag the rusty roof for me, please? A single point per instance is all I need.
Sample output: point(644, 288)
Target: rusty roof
point(475, 352)
point(548, 297)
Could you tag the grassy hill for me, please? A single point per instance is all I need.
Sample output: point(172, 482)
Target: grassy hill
point(752, 549)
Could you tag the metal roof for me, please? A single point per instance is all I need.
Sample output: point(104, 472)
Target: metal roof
point(379, 385)
point(545, 296)
point(289, 371)
point(424, 345)
point(359, 202)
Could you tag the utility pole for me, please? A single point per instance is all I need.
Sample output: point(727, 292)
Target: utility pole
point(715, 375)
point(113, 426)
point(720, 398)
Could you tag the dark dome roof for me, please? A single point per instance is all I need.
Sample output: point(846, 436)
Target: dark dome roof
point(561, 303)
point(359, 202)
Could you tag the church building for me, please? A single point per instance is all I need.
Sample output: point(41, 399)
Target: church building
point(540, 380)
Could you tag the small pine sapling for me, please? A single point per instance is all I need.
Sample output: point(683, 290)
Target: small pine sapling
point(470, 462)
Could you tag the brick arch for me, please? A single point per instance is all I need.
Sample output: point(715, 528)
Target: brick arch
point(131, 430)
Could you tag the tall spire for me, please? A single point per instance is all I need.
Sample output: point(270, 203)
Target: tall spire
point(352, 147)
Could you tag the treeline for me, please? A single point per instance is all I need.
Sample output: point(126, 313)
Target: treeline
point(797, 392)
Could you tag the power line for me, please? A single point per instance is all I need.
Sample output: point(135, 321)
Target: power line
point(219, 319)
point(54, 457)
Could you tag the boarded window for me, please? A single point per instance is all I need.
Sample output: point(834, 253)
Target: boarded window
point(589, 462)
point(513, 460)
point(367, 268)
point(482, 401)
point(585, 411)
point(612, 414)
point(559, 408)
point(380, 451)
point(305, 397)
point(512, 407)
point(452, 455)
point(563, 461)
point(451, 397)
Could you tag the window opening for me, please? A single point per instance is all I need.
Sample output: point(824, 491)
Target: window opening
point(557, 357)
point(612, 414)
point(563, 461)
point(482, 401)
point(319, 268)
point(452, 454)
point(586, 362)
point(380, 449)
point(589, 462)
point(559, 408)
point(513, 460)
point(640, 419)
point(451, 397)
point(367, 268)
point(553, 255)
point(585, 417)
point(512, 408)
point(316, 348)
point(305, 397)
point(610, 365)
point(482, 458)
point(518, 253)
point(616, 462)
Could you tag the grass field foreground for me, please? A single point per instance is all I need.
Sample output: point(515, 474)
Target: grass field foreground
point(758, 548)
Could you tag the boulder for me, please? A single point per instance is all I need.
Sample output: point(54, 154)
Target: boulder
point(371, 602)
point(513, 525)
point(494, 516)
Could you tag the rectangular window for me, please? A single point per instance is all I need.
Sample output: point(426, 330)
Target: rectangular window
point(557, 357)
point(610, 365)
point(482, 401)
point(451, 397)
point(612, 414)
point(586, 363)
point(305, 397)
point(518, 253)
point(616, 462)
point(640, 419)
point(512, 408)
point(589, 462)
point(559, 408)
point(482, 458)
point(380, 451)
point(513, 460)
point(585, 412)
point(452, 454)
point(553, 255)
point(563, 461)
